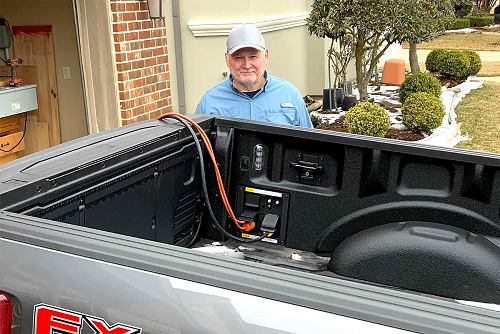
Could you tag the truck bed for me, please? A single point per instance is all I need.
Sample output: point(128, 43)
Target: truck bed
point(269, 254)
point(403, 216)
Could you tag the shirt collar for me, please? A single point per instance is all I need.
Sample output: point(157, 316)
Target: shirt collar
point(264, 87)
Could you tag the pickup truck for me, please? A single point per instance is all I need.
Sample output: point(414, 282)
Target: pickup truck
point(126, 231)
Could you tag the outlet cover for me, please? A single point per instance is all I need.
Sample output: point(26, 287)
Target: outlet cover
point(66, 73)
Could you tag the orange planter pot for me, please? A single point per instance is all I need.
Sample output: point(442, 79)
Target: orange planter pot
point(393, 72)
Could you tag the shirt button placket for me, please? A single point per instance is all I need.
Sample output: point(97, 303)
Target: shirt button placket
point(251, 108)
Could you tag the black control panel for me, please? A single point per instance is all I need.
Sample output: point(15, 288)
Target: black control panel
point(267, 209)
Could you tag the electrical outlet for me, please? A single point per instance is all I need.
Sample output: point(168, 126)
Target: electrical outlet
point(66, 72)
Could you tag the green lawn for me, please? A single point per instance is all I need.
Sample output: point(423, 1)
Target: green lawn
point(477, 42)
point(489, 69)
point(480, 117)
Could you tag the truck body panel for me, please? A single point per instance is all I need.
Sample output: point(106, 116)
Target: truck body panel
point(104, 220)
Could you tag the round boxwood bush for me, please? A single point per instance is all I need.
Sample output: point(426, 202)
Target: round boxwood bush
point(461, 24)
point(367, 119)
point(422, 112)
point(454, 65)
point(419, 82)
point(434, 59)
point(474, 62)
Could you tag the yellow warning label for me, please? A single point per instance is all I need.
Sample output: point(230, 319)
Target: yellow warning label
point(244, 235)
point(248, 189)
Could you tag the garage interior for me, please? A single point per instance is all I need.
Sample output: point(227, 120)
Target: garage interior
point(41, 91)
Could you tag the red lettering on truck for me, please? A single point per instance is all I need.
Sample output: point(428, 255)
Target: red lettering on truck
point(53, 320)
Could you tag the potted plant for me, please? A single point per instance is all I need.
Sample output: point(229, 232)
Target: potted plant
point(339, 55)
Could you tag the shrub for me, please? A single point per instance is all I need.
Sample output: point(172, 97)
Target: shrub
point(480, 21)
point(434, 59)
point(422, 112)
point(419, 82)
point(462, 7)
point(315, 120)
point(454, 65)
point(461, 24)
point(479, 12)
point(367, 119)
point(497, 17)
point(474, 61)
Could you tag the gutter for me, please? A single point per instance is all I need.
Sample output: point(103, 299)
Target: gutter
point(80, 61)
point(181, 94)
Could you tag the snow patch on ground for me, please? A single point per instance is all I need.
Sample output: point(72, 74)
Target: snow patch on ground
point(461, 31)
point(441, 136)
point(470, 30)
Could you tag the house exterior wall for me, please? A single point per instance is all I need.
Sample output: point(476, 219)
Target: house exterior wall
point(293, 54)
point(142, 62)
point(145, 67)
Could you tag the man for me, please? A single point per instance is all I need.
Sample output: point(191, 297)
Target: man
point(250, 92)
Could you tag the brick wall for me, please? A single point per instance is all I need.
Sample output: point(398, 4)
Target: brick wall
point(141, 62)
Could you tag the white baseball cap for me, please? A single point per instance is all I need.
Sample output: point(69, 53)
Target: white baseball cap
point(245, 36)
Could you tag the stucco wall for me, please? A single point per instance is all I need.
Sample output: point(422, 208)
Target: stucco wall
point(58, 14)
point(289, 58)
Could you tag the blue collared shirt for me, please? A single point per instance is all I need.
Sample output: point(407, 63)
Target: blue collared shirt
point(278, 101)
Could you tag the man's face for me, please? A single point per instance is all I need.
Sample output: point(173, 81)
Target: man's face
point(247, 66)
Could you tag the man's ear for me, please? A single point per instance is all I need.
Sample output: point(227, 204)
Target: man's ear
point(226, 56)
point(266, 55)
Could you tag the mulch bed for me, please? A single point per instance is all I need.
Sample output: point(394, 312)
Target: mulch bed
point(450, 83)
point(390, 107)
point(405, 135)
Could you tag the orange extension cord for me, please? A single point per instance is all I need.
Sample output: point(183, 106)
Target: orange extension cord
point(239, 223)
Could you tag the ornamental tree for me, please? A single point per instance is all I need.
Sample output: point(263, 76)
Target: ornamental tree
point(426, 20)
point(343, 53)
point(372, 26)
point(485, 5)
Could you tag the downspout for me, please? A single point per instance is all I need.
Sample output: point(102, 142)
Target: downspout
point(84, 90)
point(181, 94)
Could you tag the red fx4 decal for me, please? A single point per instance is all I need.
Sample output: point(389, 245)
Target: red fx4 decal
point(52, 320)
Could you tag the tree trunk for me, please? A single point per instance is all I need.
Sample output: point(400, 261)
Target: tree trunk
point(414, 58)
point(360, 71)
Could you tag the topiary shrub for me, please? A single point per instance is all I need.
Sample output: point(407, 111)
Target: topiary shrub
point(434, 59)
point(497, 17)
point(474, 62)
point(480, 21)
point(367, 119)
point(461, 24)
point(422, 112)
point(454, 65)
point(419, 82)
